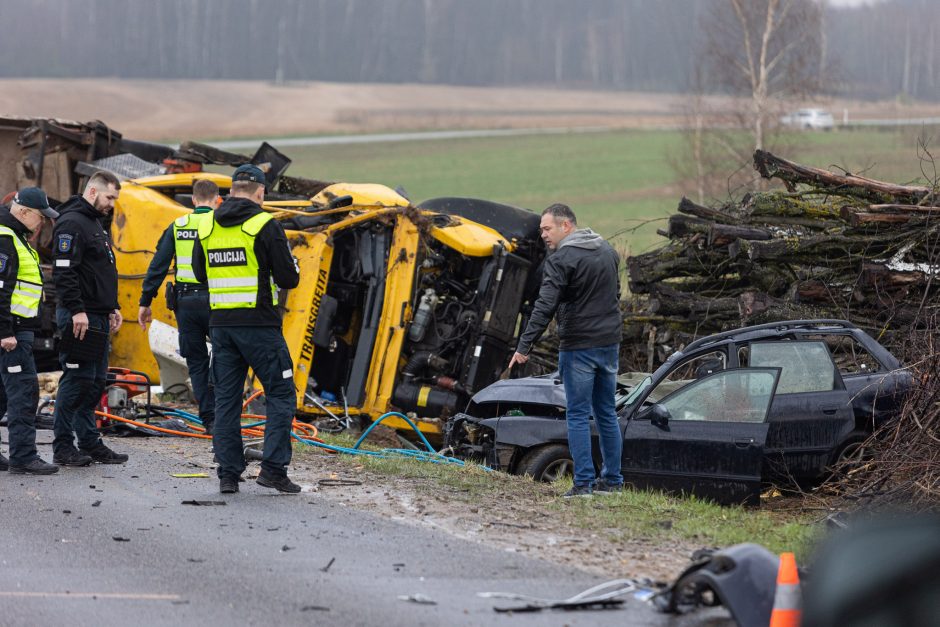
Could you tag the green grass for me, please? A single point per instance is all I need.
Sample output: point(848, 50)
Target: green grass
point(612, 180)
point(618, 518)
point(615, 180)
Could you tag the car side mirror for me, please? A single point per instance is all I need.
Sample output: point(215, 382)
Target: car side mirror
point(659, 416)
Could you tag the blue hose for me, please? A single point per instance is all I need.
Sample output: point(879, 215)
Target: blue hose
point(430, 455)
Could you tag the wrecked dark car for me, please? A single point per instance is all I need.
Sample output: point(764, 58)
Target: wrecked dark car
point(778, 402)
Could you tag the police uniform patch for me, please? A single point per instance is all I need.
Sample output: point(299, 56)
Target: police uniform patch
point(64, 244)
point(3, 262)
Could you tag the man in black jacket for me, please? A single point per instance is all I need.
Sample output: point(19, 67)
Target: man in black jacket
point(192, 298)
point(243, 255)
point(20, 307)
point(85, 278)
point(581, 289)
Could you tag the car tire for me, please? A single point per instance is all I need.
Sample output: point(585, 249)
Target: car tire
point(851, 453)
point(547, 463)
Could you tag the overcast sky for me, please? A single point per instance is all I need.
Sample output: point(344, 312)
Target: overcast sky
point(851, 3)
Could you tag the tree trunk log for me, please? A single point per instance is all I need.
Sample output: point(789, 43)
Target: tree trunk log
point(792, 174)
point(724, 234)
point(681, 226)
point(688, 207)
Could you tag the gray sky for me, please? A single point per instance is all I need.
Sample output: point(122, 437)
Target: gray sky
point(851, 3)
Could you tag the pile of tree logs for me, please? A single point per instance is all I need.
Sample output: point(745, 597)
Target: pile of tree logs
point(829, 246)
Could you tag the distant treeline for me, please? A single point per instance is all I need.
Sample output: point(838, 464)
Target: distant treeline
point(887, 49)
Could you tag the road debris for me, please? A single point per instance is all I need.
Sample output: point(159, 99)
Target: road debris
point(327, 567)
point(203, 503)
point(601, 596)
point(742, 578)
point(331, 483)
point(417, 598)
point(190, 475)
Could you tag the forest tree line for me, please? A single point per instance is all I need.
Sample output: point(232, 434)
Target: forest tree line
point(887, 49)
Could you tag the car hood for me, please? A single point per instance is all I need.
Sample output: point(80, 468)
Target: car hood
point(544, 389)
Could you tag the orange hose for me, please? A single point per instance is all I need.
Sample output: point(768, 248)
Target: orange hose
point(153, 428)
point(310, 432)
point(255, 395)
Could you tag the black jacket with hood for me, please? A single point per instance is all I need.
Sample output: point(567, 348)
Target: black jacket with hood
point(581, 288)
point(83, 268)
point(274, 261)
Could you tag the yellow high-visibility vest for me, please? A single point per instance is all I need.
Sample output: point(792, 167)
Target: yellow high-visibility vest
point(231, 264)
point(185, 232)
point(27, 292)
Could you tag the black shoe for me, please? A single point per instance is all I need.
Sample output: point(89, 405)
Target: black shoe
point(71, 457)
point(228, 485)
point(103, 455)
point(35, 467)
point(4, 463)
point(207, 425)
point(578, 490)
point(281, 484)
point(603, 487)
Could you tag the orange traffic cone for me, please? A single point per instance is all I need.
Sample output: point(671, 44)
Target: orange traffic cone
point(788, 598)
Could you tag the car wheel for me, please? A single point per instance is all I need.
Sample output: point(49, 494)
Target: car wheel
point(547, 463)
point(851, 454)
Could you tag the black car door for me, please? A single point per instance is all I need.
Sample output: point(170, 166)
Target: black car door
point(812, 411)
point(706, 438)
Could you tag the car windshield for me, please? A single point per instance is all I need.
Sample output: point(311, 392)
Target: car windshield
point(638, 390)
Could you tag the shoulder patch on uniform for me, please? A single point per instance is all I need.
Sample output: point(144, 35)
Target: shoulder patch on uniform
point(64, 243)
point(3, 262)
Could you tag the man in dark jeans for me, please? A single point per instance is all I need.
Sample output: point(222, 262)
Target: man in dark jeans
point(581, 289)
point(192, 297)
point(85, 278)
point(20, 307)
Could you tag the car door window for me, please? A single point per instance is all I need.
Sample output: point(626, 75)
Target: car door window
point(739, 395)
point(689, 371)
point(806, 366)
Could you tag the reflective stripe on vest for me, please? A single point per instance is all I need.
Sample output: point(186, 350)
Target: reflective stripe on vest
point(185, 232)
point(231, 264)
point(27, 292)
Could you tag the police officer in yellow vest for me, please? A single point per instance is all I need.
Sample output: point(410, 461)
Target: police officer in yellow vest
point(20, 301)
point(191, 296)
point(243, 255)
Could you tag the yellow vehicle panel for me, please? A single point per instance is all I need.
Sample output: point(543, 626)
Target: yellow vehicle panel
point(363, 194)
point(469, 238)
point(140, 216)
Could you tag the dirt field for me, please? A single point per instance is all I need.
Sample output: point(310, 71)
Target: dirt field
point(158, 110)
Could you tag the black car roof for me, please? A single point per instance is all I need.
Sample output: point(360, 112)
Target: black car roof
point(770, 329)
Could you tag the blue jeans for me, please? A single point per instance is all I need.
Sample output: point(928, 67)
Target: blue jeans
point(590, 379)
point(192, 318)
point(80, 390)
point(234, 349)
point(19, 397)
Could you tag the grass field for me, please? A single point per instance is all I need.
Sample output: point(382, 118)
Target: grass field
point(614, 180)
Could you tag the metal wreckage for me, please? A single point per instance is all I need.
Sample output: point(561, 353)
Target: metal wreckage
point(411, 307)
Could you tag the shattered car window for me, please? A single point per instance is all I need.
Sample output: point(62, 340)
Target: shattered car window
point(741, 395)
point(806, 366)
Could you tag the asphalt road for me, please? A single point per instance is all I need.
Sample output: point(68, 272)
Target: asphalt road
point(114, 545)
